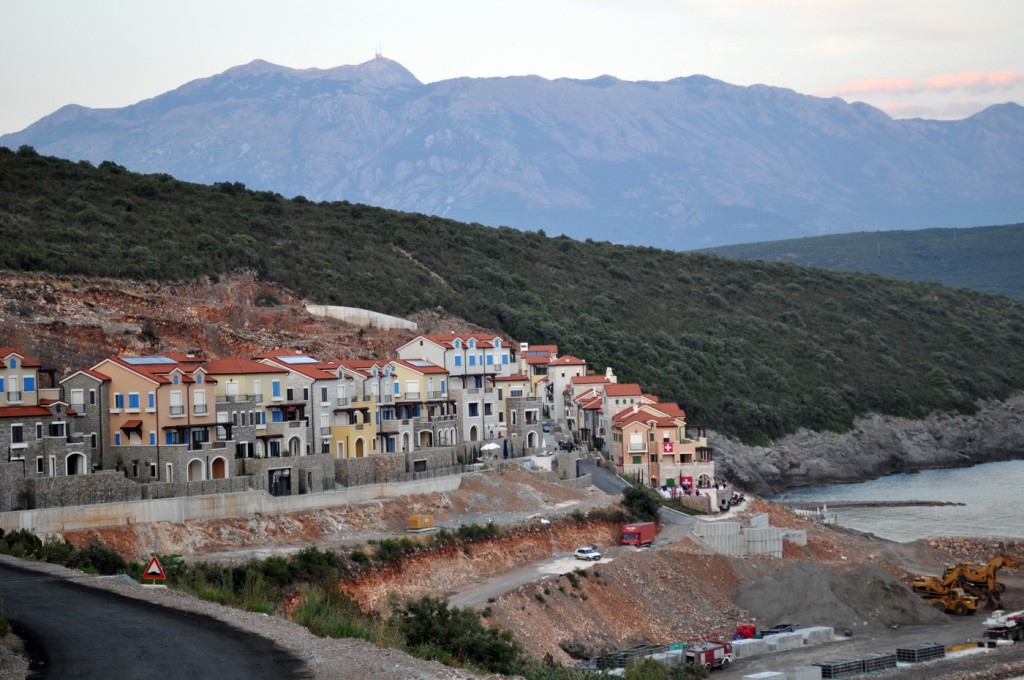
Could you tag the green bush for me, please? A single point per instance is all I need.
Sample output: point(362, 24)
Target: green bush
point(98, 558)
point(641, 502)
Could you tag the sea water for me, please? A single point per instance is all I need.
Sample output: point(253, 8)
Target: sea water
point(992, 496)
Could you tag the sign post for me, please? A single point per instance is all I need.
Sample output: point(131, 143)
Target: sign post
point(154, 572)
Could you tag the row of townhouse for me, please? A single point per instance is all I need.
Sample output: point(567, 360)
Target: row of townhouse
point(645, 439)
point(176, 417)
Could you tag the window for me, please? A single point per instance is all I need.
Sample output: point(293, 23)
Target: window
point(275, 389)
point(17, 434)
point(289, 393)
point(152, 400)
point(13, 362)
point(39, 430)
point(490, 360)
point(133, 401)
point(29, 383)
point(487, 409)
point(78, 400)
point(177, 408)
point(504, 357)
point(457, 344)
point(458, 361)
point(117, 439)
point(176, 379)
point(305, 394)
point(276, 416)
point(92, 396)
point(199, 378)
point(152, 470)
point(472, 360)
point(39, 464)
point(474, 409)
point(199, 402)
point(92, 440)
point(1, 383)
point(152, 442)
point(636, 460)
point(118, 401)
point(323, 395)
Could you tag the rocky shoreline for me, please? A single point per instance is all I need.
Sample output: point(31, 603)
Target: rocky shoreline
point(875, 447)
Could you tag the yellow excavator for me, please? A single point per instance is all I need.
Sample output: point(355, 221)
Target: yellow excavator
point(982, 580)
point(974, 581)
point(945, 594)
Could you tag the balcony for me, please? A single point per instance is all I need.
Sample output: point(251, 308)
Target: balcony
point(342, 401)
point(637, 448)
point(394, 425)
point(14, 396)
point(178, 410)
point(325, 431)
point(436, 394)
point(412, 396)
point(199, 410)
point(239, 398)
point(77, 408)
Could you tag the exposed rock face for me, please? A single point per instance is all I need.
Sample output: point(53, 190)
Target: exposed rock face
point(876, 446)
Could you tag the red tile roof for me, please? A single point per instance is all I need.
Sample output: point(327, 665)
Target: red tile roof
point(567, 360)
point(427, 368)
point(26, 361)
point(589, 379)
point(23, 411)
point(622, 390)
point(516, 377)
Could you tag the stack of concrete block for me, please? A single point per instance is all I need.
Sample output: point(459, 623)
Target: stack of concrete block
point(722, 537)
point(816, 635)
point(783, 641)
point(744, 649)
point(803, 673)
point(764, 541)
point(674, 658)
point(765, 675)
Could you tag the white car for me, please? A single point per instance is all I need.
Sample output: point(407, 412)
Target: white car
point(587, 553)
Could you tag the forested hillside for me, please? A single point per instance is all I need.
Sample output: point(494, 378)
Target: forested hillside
point(981, 258)
point(752, 349)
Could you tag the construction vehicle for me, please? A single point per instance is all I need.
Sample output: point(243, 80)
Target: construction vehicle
point(945, 594)
point(1003, 626)
point(982, 580)
point(710, 654)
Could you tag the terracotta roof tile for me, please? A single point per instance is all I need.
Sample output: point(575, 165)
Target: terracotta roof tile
point(238, 366)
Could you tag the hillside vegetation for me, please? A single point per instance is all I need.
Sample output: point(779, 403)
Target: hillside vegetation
point(754, 349)
point(981, 258)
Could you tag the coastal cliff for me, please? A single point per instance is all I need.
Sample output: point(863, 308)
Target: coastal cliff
point(875, 447)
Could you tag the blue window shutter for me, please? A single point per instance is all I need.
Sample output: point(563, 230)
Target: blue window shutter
point(276, 416)
point(277, 388)
point(152, 399)
point(30, 384)
point(458, 361)
point(133, 401)
point(152, 438)
point(442, 387)
point(117, 439)
point(170, 438)
point(2, 385)
point(397, 391)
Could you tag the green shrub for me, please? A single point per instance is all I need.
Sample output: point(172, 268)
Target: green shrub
point(56, 551)
point(98, 558)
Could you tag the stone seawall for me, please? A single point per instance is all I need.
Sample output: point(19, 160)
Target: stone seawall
point(875, 447)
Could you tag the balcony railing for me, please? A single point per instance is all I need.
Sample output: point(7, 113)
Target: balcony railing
point(386, 399)
point(77, 408)
point(637, 448)
point(412, 396)
point(236, 398)
point(436, 394)
point(199, 409)
point(325, 431)
point(342, 401)
point(177, 410)
point(14, 396)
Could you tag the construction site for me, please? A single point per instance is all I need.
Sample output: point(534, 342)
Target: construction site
point(796, 593)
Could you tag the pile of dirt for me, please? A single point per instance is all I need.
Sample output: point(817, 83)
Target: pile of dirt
point(866, 598)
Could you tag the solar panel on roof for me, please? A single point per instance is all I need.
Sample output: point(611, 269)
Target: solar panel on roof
point(298, 360)
point(419, 363)
point(144, 361)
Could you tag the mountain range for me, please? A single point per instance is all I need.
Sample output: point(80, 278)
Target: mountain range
point(682, 164)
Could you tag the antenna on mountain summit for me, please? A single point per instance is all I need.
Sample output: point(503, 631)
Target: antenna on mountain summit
point(379, 53)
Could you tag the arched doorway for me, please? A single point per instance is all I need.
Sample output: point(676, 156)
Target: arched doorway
point(196, 470)
point(531, 439)
point(425, 439)
point(704, 482)
point(360, 447)
point(219, 468)
point(472, 434)
point(295, 446)
point(75, 464)
point(405, 442)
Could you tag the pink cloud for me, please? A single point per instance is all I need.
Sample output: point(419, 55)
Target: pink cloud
point(944, 82)
point(974, 82)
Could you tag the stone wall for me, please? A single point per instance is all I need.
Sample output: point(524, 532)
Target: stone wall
point(102, 487)
point(393, 467)
point(361, 317)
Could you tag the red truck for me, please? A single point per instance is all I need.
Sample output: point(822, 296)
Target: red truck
point(639, 534)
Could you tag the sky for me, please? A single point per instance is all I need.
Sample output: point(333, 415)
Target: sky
point(944, 59)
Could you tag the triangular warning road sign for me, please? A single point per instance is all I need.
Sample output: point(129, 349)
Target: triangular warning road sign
point(154, 570)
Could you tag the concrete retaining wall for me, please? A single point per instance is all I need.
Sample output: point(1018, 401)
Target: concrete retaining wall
point(48, 520)
point(783, 641)
point(361, 317)
point(747, 648)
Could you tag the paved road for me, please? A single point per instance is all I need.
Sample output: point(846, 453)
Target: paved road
point(603, 478)
point(75, 632)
